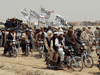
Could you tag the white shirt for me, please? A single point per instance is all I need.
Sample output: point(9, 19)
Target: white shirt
point(57, 42)
point(45, 34)
point(13, 35)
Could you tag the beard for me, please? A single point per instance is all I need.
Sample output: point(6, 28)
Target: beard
point(61, 38)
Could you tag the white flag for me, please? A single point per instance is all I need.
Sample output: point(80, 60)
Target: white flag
point(44, 20)
point(45, 13)
point(24, 12)
point(59, 20)
point(34, 14)
point(26, 19)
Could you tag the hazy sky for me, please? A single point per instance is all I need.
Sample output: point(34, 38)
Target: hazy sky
point(72, 10)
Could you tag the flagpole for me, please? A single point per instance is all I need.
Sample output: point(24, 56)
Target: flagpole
point(16, 15)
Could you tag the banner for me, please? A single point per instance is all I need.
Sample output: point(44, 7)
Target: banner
point(34, 14)
point(24, 12)
point(59, 20)
point(45, 13)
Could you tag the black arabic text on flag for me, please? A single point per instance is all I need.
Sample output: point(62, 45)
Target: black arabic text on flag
point(45, 13)
point(24, 12)
point(59, 20)
point(34, 14)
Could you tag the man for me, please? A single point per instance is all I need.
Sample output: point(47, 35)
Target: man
point(26, 37)
point(14, 23)
point(37, 38)
point(78, 35)
point(59, 44)
point(53, 48)
point(0, 38)
point(91, 31)
point(10, 23)
point(99, 36)
point(42, 34)
point(47, 44)
point(10, 36)
point(31, 37)
point(45, 32)
point(70, 40)
point(6, 24)
point(47, 41)
point(96, 33)
point(3, 37)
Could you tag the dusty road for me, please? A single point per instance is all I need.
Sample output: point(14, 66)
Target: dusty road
point(34, 65)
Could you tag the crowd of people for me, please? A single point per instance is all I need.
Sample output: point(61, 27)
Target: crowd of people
point(56, 39)
point(12, 23)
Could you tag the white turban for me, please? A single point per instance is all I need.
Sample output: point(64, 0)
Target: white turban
point(60, 30)
point(60, 33)
point(49, 32)
point(56, 33)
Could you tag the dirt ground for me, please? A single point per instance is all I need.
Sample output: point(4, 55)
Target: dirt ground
point(34, 65)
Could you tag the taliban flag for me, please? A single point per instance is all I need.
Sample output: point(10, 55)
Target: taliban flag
point(24, 12)
point(34, 14)
point(26, 19)
point(59, 20)
point(45, 13)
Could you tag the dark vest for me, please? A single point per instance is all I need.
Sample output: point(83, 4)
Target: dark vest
point(9, 37)
point(60, 40)
point(42, 35)
point(3, 35)
point(54, 47)
point(48, 42)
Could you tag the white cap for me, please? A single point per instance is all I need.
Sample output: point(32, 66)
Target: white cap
point(60, 33)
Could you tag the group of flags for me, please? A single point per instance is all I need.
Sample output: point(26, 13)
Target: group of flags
point(43, 16)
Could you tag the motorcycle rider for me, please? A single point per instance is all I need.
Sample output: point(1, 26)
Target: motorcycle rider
point(3, 37)
point(96, 32)
point(78, 35)
point(70, 40)
point(59, 45)
point(47, 48)
point(31, 44)
point(38, 38)
point(11, 35)
point(45, 32)
point(26, 37)
point(54, 51)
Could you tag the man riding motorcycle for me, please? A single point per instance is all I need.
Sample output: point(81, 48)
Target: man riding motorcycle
point(47, 45)
point(59, 45)
point(71, 40)
point(11, 36)
point(54, 48)
point(26, 37)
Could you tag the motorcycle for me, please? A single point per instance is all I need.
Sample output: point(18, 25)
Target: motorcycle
point(97, 46)
point(1, 39)
point(89, 45)
point(13, 50)
point(98, 61)
point(27, 48)
point(41, 50)
point(75, 62)
point(87, 58)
